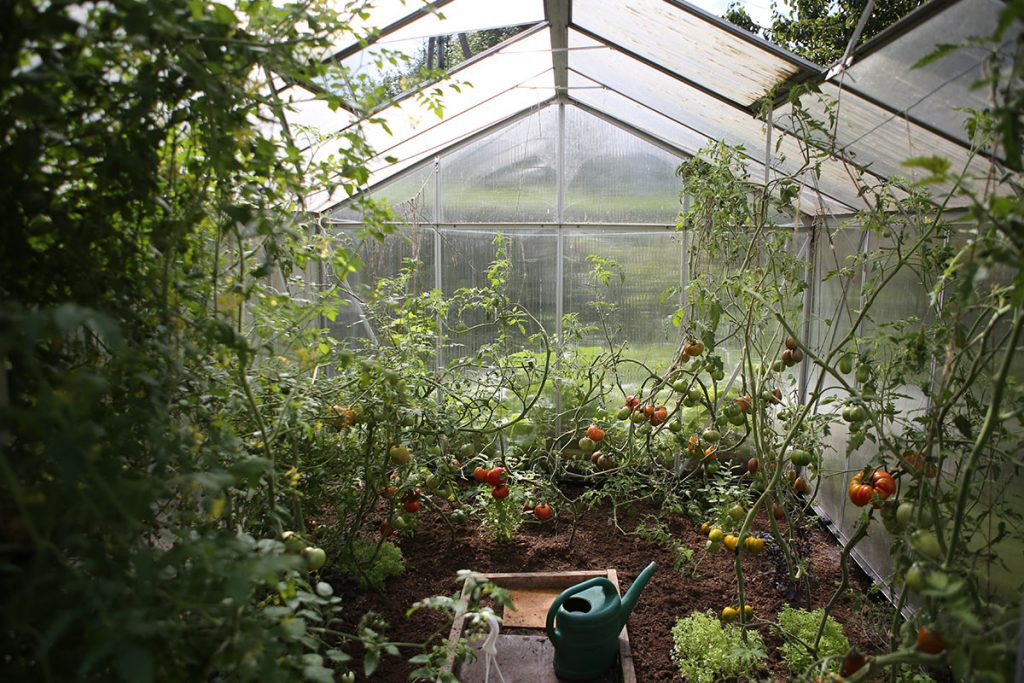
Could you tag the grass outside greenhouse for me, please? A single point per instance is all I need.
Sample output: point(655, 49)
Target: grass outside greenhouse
point(623, 317)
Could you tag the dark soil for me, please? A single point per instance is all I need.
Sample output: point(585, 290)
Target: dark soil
point(432, 560)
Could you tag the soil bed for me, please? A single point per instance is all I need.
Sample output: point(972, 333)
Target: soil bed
point(432, 560)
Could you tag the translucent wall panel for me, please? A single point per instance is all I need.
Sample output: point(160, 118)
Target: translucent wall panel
point(508, 176)
point(466, 256)
point(651, 263)
point(938, 92)
point(380, 259)
point(411, 198)
point(688, 44)
point(838, 281)
point(612, 176)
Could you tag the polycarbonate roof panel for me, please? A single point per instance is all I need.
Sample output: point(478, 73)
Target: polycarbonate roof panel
point(413, 143)
point(687, 44)
point(872, 137)
point(379, 14)
point(510, 66)
point(816, 197)
point(934, 92)
point(661, 92)
point(304, 109)
point(464, 16)
point(703, 114)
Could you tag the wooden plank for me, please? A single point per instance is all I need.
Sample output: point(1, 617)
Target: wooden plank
point(530, 607)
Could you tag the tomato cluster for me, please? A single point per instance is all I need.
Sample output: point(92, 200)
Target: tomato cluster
point(881, 486)
point(495, 477)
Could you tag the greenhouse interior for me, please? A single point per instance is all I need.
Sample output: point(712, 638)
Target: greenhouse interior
point(549, 340)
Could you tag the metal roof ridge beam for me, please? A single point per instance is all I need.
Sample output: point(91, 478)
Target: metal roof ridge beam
point(557, 14)
point(666, 71)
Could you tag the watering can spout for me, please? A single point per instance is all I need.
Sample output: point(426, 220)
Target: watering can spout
point(633, 594)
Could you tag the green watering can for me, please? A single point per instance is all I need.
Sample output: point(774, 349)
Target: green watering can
point(590, 617)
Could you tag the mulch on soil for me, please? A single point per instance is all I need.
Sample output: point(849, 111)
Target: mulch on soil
point(432, 559)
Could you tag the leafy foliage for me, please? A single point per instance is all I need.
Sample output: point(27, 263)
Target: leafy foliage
point(819, 30)
point(706, 651)
point(375, 563)
point(800, 630)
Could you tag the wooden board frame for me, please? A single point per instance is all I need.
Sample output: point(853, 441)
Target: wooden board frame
point(555, 580)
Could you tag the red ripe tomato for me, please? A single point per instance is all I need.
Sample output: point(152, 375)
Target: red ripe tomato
point(658, 416)
point(500, 492)
point(412, 505)
point(930, 641)
point(480, 474)
point(595, 433)
point(853, 662)
point(883, 483)
point(543, 512)
point(860, 494)
point(744, 403)
point(648, 409)
point(496, 477)
point(386, 529)
point(881, 487)
point(632, 402)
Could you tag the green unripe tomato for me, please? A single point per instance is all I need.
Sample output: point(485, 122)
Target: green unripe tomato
point(587, 445)
point(863, 373)
point(737, 419)
point(917, 577)
point(927, 544)
point(293, 542)
point(736, 512)
point(905, 514)
point(846, 364)
point(675, 426)
point(315, 558)
point(800, 457)
point(681, 385)
point(624, 413)
point(711, 436)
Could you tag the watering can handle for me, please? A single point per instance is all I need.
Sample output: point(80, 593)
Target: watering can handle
point(553, 633)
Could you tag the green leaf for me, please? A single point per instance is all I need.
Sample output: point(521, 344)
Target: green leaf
point(940, 51)
point(250, 469)
point(371, 661)
point(964, 426)
point(936, 164)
